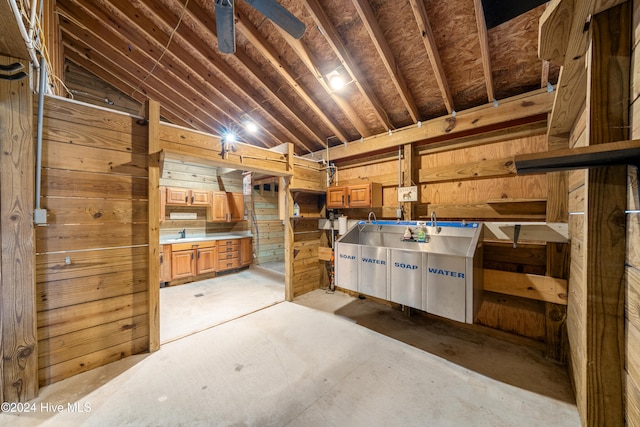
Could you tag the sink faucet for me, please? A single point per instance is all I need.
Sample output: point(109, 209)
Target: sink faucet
point(434, 222)
point(182, 234)
point(374, 217)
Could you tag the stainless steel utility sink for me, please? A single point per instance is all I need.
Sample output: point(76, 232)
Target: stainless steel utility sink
point(440, 275)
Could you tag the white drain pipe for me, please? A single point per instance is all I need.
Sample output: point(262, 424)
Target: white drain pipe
point(23, 31)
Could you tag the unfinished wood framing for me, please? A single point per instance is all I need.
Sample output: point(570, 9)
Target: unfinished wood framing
point(18, 341)
point(605, 203)
point(153, 119)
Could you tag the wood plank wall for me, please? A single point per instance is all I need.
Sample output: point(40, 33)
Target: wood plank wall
point(632, 262)
point(92, 256)
point(267, 228)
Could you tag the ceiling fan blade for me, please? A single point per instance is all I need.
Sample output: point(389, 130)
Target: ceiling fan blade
point(280, 16)
point(225, 26)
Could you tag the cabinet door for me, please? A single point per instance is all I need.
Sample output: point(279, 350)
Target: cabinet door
point(335, 197)
point(207, 260)
point(183, 264)
point(359, 196)
point(165, 263)
point(219, 206)
point(200, 197)
point(246, 252)
point(178, 196)
point(236, 206)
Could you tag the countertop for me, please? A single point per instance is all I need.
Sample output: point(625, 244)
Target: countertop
point(209, 237)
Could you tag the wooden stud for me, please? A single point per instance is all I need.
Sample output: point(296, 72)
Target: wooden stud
point(556, 340)
point(609, 66)
point(153, 112)
point(18, 342)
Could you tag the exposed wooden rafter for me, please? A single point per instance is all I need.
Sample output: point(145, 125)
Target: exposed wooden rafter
point(483, 39)
point(252, 34)
point(349, 63)
point(195, 15)
point(310, 62)
point(420, 13)
point(377, 37)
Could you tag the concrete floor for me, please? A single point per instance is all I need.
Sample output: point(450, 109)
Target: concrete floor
point(319, 361)
point(197, 306)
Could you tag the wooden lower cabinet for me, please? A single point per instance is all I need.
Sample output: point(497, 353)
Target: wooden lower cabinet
point(184, 260)
point(228, 254)
point(165, 263)
point(183, 264)
point(207, 260)
point(246, 252)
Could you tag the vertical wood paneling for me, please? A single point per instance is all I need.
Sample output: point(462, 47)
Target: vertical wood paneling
point(632, 269)
point(18, 345)
point(95, 304)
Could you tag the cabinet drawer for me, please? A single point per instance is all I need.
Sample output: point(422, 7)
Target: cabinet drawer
point(228, 255)
point(232, 243)
point(194, 245)
point(228, 264)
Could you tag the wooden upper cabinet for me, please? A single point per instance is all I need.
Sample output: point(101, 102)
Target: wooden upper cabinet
point(219, 207)
point(200, 197)
point(336, 197)
point(367, 195)
point(186, 197)
point(236, 206)
point(360, 196)
point(178, 196)
point(227, 207)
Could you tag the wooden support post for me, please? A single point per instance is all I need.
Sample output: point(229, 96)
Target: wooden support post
point(153, 116)
point(556, 314)
point(285, 188)
point(410, 175)
point(18, 333)
point(605, 204)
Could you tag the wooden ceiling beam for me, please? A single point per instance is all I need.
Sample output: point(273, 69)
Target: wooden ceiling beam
point(251, 33)
point(483, 38)
point(309, 60)
point(420, 13)
point(171, 70)
point(138, 64)
point(103, 74)
point(510, 109)
point(153, 23)
point(126, 72)
point(202, 64)
point(370, 22)
point(348, 62)
point(201, 18)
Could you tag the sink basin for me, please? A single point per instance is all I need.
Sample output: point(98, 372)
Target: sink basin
point(452, 240)
point(441, 275)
